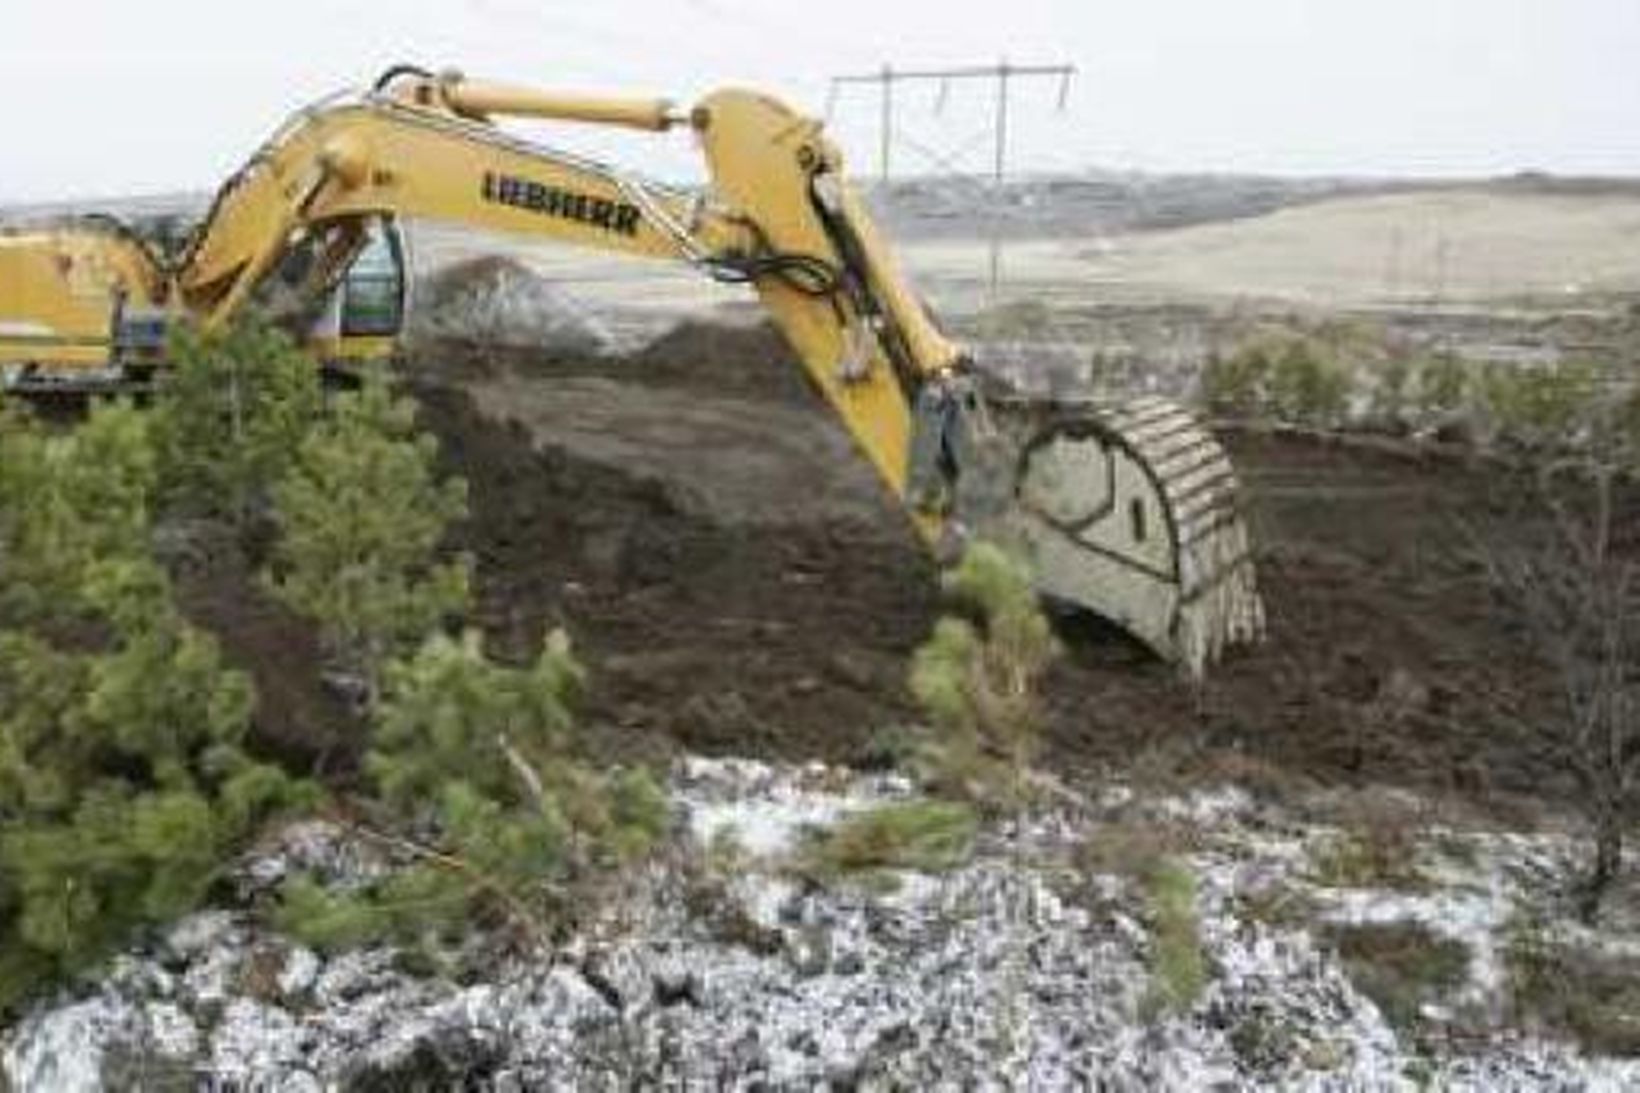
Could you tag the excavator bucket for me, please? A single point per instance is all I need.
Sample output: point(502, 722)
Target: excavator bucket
point(1130, 510)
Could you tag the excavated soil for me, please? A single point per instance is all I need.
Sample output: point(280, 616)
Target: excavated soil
point(722, 561)
point(737, 583)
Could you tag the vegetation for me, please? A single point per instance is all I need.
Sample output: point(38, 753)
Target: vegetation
point(1130, 847)
point(123, 782)
point(1235, 385)
point(1443, 386)
point(929, 836)
point(1014, 319)
point(233, 412)
point(1401, 966)
point(1589, 996)
point(1178, 971)
point(126, 784)
point(66, 503)
point(1306, 376)
point(1369, 857)
point(476, 769)
point(1624, 429)
point(1577, 596)
point(1293, 377)
point(977, 679)
point(361, 516)
point(1538, 407)
point(1391, 396)
point(1308, 383)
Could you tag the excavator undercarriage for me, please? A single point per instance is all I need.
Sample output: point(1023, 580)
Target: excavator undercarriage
point(1125, 509)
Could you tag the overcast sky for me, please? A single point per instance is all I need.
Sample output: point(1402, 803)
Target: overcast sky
point(134, 96)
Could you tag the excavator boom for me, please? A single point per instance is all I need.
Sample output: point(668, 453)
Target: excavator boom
point(1127, 510)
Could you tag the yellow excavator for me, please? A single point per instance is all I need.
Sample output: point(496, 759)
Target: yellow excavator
point(1125, 509)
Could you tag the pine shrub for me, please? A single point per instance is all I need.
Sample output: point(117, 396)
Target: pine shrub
point(361, 515)
point(230, 417)
point(976, 679)
point(124, 787)
point(479, 769)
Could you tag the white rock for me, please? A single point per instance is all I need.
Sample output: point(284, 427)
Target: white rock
point(299, 973)
point(63, 1050)
point(989, 976)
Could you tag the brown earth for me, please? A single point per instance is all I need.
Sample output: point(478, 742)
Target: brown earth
point(737, 583)
point(299, 720)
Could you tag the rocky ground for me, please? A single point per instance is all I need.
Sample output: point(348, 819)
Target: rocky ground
point(1031, 964)
point(738, 585)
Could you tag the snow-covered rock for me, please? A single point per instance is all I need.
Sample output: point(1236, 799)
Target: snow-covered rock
point(1020, 969)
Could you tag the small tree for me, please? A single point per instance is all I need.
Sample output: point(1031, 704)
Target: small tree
point(232, 413)
point(977, 680)
point(125, 788)
point(362, 515)
point(1443, 386)
point(1236, 384)
point(477, 764)
point(452, 715)
point(1539, 407)
point(1578, 597)
point(1389, 398)
point(67, 500)
point(1308, 384)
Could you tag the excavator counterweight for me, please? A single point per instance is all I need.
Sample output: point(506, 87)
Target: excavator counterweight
point(1128, 510)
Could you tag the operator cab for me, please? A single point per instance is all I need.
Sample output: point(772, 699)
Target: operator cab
point(364, 314)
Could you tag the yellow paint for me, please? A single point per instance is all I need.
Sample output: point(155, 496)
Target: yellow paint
point(428, 148)
point(59, 289)
point(425, 148)
point(477, 99)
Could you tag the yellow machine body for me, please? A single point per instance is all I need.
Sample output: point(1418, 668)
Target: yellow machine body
point(63, 290)
point(1127, 512)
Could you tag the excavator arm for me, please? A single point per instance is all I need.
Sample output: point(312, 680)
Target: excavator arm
point(1126, 510)
point(777, 216)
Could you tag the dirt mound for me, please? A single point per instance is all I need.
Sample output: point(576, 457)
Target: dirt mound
point(737, 583)
point(791, 638)
point(495, 300)
point(298, 720)
point(720, 360)
point(1388, 658)
point(782, 640)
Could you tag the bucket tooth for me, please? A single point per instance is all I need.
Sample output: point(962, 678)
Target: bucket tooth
point(1132, 511)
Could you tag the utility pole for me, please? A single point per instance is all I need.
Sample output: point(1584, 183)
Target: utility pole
point(887, 122)
point(1002, 72)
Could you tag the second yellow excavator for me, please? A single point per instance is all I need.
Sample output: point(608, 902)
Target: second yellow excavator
point(1129, 510)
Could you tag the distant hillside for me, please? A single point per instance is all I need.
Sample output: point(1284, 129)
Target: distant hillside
point(188, 206)
point(1112, 202)
point(1097, 202)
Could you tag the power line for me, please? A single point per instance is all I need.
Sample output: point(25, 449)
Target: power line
point(1003, 73)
